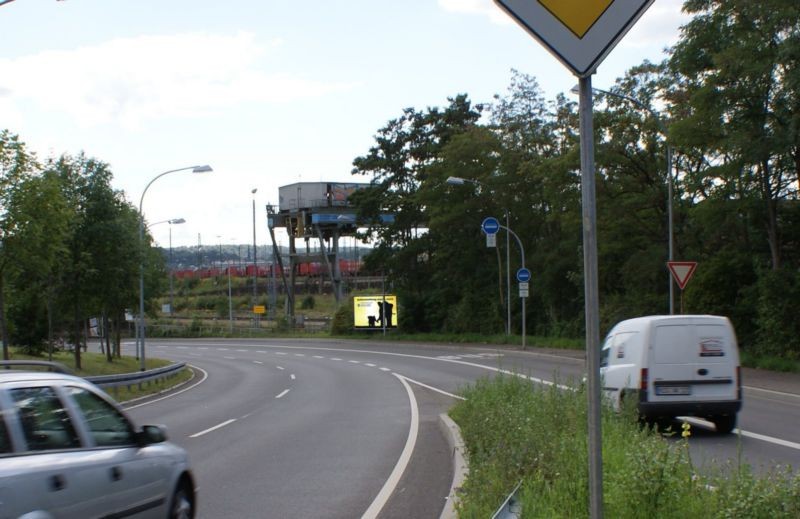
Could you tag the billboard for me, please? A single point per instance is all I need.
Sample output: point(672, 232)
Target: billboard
point(369, 312)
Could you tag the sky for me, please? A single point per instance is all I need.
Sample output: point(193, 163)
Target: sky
point(266, 92)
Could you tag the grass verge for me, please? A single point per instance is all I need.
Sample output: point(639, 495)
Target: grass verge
point(518, 433)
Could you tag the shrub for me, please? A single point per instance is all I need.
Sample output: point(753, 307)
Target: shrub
point(343, 319)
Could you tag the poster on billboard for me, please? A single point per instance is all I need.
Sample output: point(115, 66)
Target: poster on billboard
point(369, 312)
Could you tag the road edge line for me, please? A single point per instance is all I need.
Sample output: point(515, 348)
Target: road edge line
point(402, 463)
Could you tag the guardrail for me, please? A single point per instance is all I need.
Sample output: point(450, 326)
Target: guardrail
point(136, 378)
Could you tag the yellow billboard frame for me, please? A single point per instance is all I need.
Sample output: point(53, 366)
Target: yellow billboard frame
point(367, 313)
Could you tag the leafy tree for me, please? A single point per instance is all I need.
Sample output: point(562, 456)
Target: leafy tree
point(16, 164)
point(37, 246)
point(102, 272)
point(737, 78)
point(399, 166)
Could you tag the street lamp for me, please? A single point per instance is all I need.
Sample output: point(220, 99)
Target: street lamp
point(173, 221)
point(255, 262)
point(458, 181)
point(663, 129)
point(194, 169)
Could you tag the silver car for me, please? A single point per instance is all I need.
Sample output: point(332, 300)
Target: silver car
point(67, 450)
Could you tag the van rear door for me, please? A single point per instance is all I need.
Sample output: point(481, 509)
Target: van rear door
point(672, 368)
point(716, 362)
point(693, 361)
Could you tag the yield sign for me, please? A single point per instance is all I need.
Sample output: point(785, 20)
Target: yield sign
point(580, 33)
point(682, 271)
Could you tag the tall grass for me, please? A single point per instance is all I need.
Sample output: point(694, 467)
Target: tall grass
point(515, 432)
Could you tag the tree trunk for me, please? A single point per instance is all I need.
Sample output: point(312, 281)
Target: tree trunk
point(3, 326)
point(107, 336)
point(76, 346)
point(773, 236)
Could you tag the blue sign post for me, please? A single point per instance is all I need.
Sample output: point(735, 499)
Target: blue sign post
point(523, 275)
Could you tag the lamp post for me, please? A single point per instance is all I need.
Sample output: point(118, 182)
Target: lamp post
point(194, 169)
point(255, 262)
point(663, 129)
point(458, 181)
point(174, 221)
point(522, 261)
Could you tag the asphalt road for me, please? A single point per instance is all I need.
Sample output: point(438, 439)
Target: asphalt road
point(300, 428)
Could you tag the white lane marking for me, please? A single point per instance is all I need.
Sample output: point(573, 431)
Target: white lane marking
point(506, 372)
point(771, 392)
point(242, 351)
point(384, 369)
point(280, 353)
point(397, 473)
point(370, 365)
point(218, 426)
point(205, 376)
point(299, 355)
point(426, 386)
point(179, 347)
point(292, 376)
point(260, 351)
point(318, 357)
point(746, 434)
point(354, 362)
point(222, 349)
point(770, 439)
point(229, 358)
point(202, 348)
point(334, 358)
point(282, 393)
point(280, 367)
point(257, 362)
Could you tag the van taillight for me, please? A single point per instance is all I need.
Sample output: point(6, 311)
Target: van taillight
point(739, 382)
point(643, 379)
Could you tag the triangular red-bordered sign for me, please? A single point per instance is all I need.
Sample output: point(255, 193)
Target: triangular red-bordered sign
point(682, 271)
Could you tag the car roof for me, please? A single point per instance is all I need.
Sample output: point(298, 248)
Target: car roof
point(7, 376)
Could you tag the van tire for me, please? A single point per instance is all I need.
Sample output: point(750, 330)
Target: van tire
point(724, 423)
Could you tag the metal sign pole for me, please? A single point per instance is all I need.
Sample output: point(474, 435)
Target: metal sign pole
point(592, 302)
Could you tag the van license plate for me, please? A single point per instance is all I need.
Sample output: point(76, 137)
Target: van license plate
point(673, 390)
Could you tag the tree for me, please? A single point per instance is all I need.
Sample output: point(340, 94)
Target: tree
point(16, 164)
point(399, 164)
point(104, 253)
point(35, 249)
point(736, 78)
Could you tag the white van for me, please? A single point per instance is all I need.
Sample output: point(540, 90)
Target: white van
point(675, 365)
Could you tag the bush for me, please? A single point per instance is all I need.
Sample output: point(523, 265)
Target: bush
point(343, 319)
point(308, 303)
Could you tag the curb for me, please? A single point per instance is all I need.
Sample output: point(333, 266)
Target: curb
point(452, 434)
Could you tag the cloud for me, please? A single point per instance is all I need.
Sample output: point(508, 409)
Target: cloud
point(132, 80)
point(658, 26)
point(480, 7)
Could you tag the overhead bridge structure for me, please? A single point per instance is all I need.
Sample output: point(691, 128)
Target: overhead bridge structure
point(314, 210)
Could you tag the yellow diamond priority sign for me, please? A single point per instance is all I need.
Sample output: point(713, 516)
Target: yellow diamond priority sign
point(580, 33)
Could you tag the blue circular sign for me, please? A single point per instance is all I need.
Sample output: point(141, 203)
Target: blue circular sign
point(490, 225)
point(523, 275)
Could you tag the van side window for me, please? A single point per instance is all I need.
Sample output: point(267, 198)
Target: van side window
point(606, 351)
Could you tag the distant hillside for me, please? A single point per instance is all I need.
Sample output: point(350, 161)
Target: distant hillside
point(210, 255)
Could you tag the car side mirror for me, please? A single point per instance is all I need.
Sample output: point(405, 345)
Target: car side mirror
point(151, 434)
